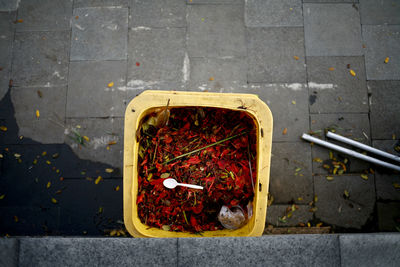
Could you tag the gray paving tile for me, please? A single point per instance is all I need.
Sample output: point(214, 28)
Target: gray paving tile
point(303, 250)
point(9, 5)
point(100, 3)
point(136, 87)
point(333, 207)
point(288, 103)
point(100, 132)
point(216, 31)
point(379, 12)
point(385, 178)
point(9, 252)
point(156, 55)
point(99, 33)
point(40, 59)
point(6, 40)
point(323, 23)
point(158, 14)
point(44, 15)
point(48, 128)
point(384, 102)
point(336, 90)
point(382, 41)
point(92, 251)
point(214, 2)
point(277, 215)
point(369, 249)
point(388, 216)
point(89, 94)
point(330, 1)
point(272, 52)
point(261, 13)
point(216, 74)
point(353, 126)
point(286, 184)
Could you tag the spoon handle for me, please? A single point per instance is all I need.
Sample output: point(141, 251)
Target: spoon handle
point(191, 186)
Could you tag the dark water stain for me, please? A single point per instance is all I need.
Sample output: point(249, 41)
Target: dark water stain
point(31, 182)
point(312, 99)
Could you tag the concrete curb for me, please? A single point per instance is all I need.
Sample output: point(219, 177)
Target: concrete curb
point(380, 249)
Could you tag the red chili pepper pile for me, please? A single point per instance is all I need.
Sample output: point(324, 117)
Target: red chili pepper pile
point(223, 170)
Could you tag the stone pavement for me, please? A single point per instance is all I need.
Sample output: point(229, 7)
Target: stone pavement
point(286, 250)
point(80, 62)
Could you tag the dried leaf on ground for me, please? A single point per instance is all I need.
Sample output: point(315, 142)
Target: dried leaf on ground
point(109, 170)
point(284, 132)
point(111, 84)
point(3, 128)
point(387, 60)
point(48, 185)
point(54, 200)
point(37, 113)
point(2, 196)
point(98, 180)
point(364, 176)
point(353, 73)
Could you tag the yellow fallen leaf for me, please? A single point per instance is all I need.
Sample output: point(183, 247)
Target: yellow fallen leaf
point(113, 232)
point(396, 185)
point(1, 156)
point(20, 20)
point(3, 128)
point(117, 188)
point(211, 79)
point(37, 114)
point(48, 185)
point(331, 69)
point(315, 199)
point(111, 84)
point(352, 72)
point(16, 218)
point(387, 60)
point(98, 180)
point(112, 143)
point(319, 224)
point(16, 155)
point(100, 209)
point(308, 224)
point(284, 132)
point(34, 161)
point(44, 153)
point(296, 57)
point(364, 176)
point(108, 147)
point(86, 138)
point(318, 160)
point(2, 196)
point(329, 178)
point(109, 170)
point(294, 102)
point(346, 193)
point(299, 198)
point(54, 200)
point(48, 162)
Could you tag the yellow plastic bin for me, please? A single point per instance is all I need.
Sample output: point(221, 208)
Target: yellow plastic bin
point(143, 105)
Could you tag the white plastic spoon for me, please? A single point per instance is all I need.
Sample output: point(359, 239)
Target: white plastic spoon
point(171, 183)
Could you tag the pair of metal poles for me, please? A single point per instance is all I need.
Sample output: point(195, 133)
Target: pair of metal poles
point(354, 153)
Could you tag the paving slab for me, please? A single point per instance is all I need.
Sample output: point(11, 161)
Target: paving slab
point(388, 216)
point(44, 15)
point(334, 207)
point(350, 125)
point(330, 1)
point(385, 179)
point(9, 252)
point(136, 87)
point(290, 178)
point(216, 31)
point(216, 74)
point(9, 5)
point(214, 2)
point(93, 89)
point(6, 42)
point(380, 42)
point(156, 55)
point(99, 33)
point(100, 3)
point(301, 250)
point(48, 128)
point(323, 23)
point(277, 215)
point(261, 13)
point(158, 14)
point(284, 49)
point(333, 89)
point(369, 250)
point(41, 58)
point(288, 103)
point(100, 131)
point(17, 221)
point(384, 104)
point(379, 12)
point(92, 251)
point(101, 207)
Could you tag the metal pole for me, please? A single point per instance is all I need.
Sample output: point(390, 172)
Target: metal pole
point(349, 152)
point(362, 146)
